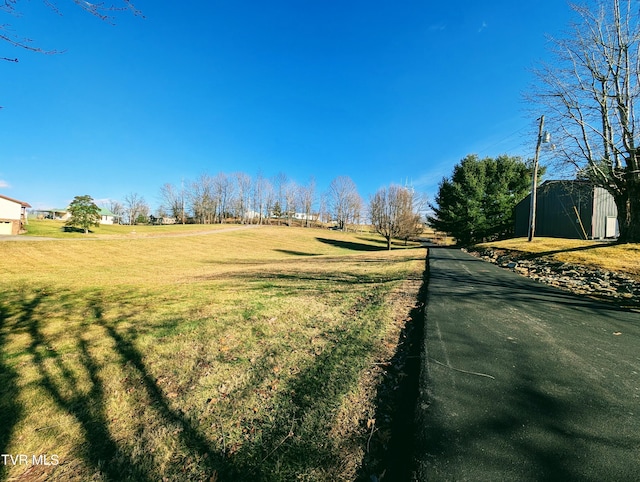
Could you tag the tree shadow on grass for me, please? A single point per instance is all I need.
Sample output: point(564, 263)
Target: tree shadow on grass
point(295, 253)
point(78, 388)
point(408, 244)
point(196, 442)
point(294, 439)
point(339, 243)
point(10, 409)
point(100, 450)
point(542, 254)
point(73, 229)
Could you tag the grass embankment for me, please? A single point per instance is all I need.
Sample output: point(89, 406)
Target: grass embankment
point(241, 355)
point(624, 258)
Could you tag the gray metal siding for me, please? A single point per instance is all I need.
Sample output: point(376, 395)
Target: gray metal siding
point(556, 216)
point(522, 217)
point(557, 206)
point(604, 206)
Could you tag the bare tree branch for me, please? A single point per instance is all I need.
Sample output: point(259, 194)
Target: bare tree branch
point(100, 10)
point(590, 94)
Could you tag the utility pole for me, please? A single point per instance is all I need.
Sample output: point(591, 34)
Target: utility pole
point(534, 184)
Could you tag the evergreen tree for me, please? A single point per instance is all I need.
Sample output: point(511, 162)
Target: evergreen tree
point(478, 201)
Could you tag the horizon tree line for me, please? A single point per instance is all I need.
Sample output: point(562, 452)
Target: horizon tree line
point(245, 199)
point(239, 197)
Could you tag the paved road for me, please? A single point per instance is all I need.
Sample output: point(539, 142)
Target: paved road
point(524, 382)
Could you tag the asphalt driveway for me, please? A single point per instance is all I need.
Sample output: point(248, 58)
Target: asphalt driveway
point(520, 381)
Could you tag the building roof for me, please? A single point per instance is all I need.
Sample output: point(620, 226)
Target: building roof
point(22, 203)
point(53, 210)
point(106, 212)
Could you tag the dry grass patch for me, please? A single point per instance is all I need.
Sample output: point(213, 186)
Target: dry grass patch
point(624, 258)
point(55, 229)
point(241, 355)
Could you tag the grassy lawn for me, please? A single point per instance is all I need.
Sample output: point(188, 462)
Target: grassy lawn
point(624, 258)
point(55, 229)
point(239, 355)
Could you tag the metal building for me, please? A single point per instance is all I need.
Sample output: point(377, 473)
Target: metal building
point(570, 209)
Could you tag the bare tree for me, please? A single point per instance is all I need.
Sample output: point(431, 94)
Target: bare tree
point(279, 183)
point(203, 199)
point(173, 201)
point(116, 208)
point(323, 212)
point(243, 195)
point(223, 192)
point(291, 200)
point(393, 213)
point(269, 200)
point(344, 201)
point(590, 91)
point(306, 201)
point(354, 213)
point(411, 219)
point(260, 195)
point(135, 207)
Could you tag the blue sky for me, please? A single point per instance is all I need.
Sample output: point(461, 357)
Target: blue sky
point(379, 91)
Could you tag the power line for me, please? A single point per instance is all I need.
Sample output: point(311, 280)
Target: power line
point(504, 139)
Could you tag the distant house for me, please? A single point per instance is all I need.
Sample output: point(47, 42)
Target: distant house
point(61, 214)
point(13, 215)
point(305, 216)
point(161, 220)
point(569, 209)
point(106, 216)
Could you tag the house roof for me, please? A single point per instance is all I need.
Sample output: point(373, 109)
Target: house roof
point(102, 212)
point(106, 212)
point(22, 203)
point(53, 210)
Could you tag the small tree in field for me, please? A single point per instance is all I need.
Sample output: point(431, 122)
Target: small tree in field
point(84, 213)
point(344, 200)
point(394, 213)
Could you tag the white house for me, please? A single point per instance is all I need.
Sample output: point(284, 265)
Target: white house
point(61, 214)
point(106, 216)
point(13, 215)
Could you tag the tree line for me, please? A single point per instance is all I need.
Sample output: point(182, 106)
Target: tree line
point(394, 211)
point(239, 197)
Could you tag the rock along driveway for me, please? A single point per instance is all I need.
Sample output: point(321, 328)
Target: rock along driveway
point(521, 381)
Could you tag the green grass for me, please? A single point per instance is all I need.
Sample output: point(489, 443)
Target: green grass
point(238, 355)
point(624, 258)
point(55, 229)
